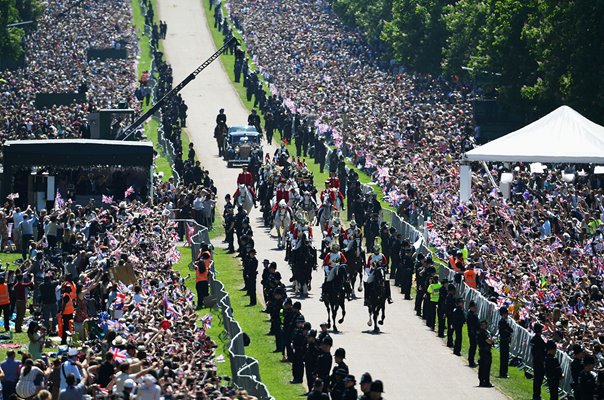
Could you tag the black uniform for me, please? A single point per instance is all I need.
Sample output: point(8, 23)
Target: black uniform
point(315, 395)
point(458, 318)
point(310, 362)
point(484, 363)
point(473, 328)
point(250, 272)
point(406, 271)
point(299, 345)
point(350, 394)
point(449, 307)
point(586, 385)
point(553, 372)
point(323, 367)
point(505, 337)
point(538, 352)
point(442, 310)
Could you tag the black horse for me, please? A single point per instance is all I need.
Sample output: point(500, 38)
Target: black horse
point(335, 294)
point(303, 260)
point(376, 298)
point(356, 262)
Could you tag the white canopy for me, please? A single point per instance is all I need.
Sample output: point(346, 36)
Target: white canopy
point(561, 136)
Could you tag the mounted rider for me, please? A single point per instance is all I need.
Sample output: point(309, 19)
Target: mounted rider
point(376, 260)
point(298, 230)
point(281, 194)
point(245, 179)
point(352, 234)
point(331, 262)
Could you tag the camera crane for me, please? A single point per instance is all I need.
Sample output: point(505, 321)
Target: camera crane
point(130, 129)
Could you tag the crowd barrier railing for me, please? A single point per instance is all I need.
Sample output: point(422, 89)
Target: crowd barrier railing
point(520, 346)
point(245, 370)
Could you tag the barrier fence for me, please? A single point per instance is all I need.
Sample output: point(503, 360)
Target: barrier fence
point(520, 346)
point(245, 370)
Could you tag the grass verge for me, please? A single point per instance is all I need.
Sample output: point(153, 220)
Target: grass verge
point(516, 386)
point(274, 374)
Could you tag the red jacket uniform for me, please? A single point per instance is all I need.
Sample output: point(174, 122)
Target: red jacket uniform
point(245, 178)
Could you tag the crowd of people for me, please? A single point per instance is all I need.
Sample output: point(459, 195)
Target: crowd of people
point(56, 62)
point(538, 252)
point(136, 336)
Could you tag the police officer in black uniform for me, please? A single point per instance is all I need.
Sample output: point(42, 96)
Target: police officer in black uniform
point(553, 371)
point(406, 269)
point(299, 345)
point(586, 384)
point(538, 351)
point(505, 338)
point(458, 318)
point(473, 328)
point(229, 229)
point(485, 342)
point(442, 310)
point(310, 356)
point(250, 272)
point(324, 361)
point(449, 308)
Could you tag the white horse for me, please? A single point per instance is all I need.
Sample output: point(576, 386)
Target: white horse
point(309, 206)
point(328, 210)
point(282, 222)
point(244, 199)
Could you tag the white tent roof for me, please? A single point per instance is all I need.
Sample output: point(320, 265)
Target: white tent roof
point(561, 136)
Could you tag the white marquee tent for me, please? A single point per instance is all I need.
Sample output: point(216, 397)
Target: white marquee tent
point(561, 136)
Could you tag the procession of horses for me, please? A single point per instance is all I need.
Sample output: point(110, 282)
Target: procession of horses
point(291, 205)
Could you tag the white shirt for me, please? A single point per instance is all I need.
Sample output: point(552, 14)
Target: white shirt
point(69, 367)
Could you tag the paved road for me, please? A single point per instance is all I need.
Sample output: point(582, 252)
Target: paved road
point(406, 356)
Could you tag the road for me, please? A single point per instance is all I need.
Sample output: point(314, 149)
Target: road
point(406, 356)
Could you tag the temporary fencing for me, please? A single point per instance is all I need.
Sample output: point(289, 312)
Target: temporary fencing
point(520, 348)
point(245, 370)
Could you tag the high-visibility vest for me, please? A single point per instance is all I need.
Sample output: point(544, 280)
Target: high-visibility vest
point(4, 296)
point(68, 307)
point(470, 277)
point(434, 290)
point(72, 294)
point(202, 276)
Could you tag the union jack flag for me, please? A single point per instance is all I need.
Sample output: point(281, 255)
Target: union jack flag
point(13, 196)
point(119, 356)
point(59, 202)
point(107, 199)
point(482, 210)
point(170, 309)
point(173, 255)
point(128, 192)
point(207, 321)
point(113, 325)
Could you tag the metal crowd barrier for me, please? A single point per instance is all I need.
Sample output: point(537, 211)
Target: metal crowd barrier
point(520, 346)
point(245, 370)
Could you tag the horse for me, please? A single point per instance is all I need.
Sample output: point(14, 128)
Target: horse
point(309, 206)
point(303, 261)
point(326, 213)
point(356, 262)
point(219, 133)
point(376, 298)
point(244, 199)
point(335, 294)
point(282, 221)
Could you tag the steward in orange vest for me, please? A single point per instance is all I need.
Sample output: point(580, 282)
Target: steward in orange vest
point(67, 311)
point(470, 276)
point(202, 269)
point(5, 303)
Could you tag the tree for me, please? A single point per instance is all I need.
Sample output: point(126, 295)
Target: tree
point(10, 37)
point(417, 33)
point(566, 40)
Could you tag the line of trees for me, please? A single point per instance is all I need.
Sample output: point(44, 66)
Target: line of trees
point(11, 38)
point(545, 53)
